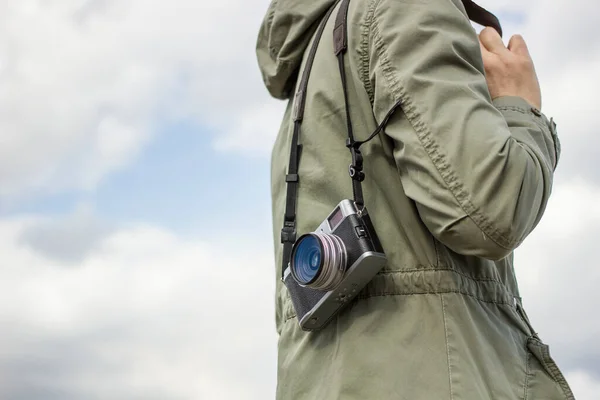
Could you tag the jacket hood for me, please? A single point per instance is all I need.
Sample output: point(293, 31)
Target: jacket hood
point(284, 35)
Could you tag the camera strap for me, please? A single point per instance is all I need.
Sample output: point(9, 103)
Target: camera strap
point(340, 46)
point(480, 15)
point(355, 170)
point(288, 232)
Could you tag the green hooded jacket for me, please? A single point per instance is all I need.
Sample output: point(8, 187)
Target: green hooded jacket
point(454, 184)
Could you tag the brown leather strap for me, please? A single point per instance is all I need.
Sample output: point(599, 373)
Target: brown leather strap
point(482, 16)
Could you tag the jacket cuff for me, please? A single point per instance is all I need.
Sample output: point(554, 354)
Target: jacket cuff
point(514, 106)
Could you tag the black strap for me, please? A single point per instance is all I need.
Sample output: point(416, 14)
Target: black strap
point(482, 16)
point(340, 43)
point(288, 232)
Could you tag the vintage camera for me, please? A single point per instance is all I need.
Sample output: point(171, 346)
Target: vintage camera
point(331, 265)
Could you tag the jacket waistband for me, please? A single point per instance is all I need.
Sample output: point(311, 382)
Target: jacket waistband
point(427, 281)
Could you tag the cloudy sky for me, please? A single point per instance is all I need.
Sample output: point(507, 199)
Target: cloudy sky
point(135, 235)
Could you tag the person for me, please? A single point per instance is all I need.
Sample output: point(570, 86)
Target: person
point(458, 179)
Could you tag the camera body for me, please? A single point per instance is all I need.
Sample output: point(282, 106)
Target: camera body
point(330, 266)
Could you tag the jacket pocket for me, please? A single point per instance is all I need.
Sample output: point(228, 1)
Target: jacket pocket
point(544, 378)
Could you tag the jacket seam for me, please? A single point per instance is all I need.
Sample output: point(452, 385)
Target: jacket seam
point(269, 24)
point(437, 251)
point(544, 127)
point(449, 269)
point(513, 108)
point(536, 120)
point(447, 346)
point(556, 373)
point(455, 291)
point(453, 184)
point(555, 141)
point(364, 50)
point(527, 372)
point(548, 363)
point(393, 294)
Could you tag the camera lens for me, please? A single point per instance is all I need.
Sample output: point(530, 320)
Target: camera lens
point(306, 260)
point(319, 261)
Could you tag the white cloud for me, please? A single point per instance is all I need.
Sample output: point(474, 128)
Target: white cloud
point(83, 83)
point(146, 310)
point(67, 239)
point(253, 132)
point(583, 385)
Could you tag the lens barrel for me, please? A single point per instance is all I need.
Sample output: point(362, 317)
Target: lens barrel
point(319, 261)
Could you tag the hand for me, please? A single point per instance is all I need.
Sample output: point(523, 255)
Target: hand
point(509, 71)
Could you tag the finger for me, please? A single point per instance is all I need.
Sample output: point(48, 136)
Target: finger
point(483, 49)
point(518, 46)
point(491, 40)
point(485, 54)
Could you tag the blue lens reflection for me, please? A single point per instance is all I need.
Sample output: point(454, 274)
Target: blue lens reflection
point(307, 259)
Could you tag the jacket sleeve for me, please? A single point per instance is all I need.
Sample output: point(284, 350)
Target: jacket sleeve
point(480, 172)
